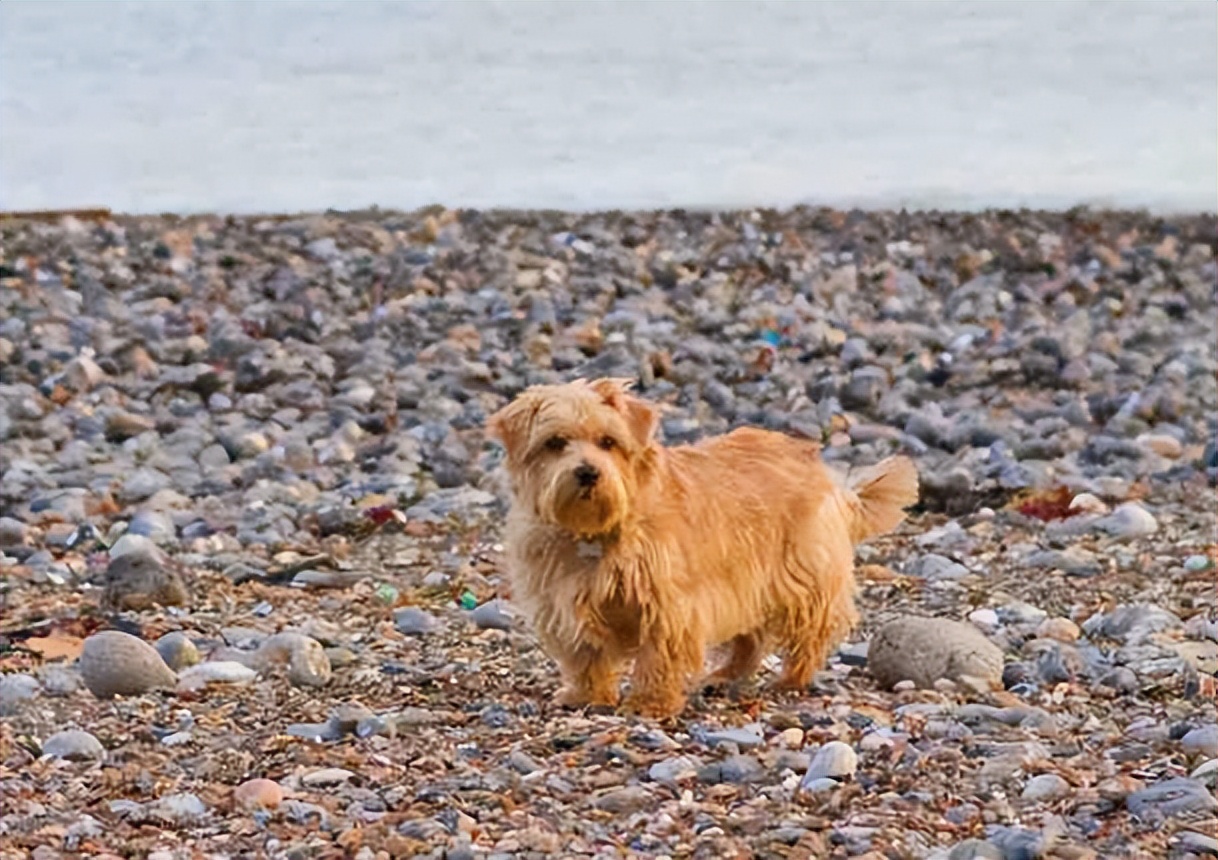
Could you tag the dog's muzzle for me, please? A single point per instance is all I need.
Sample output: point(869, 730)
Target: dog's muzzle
point(586, 475)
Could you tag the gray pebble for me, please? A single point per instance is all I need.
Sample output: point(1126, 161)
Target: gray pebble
point(1045, 786)
point(177, 809)
point(60, 680)
point(1177, 796)
point(1122, 679)
point(925, 650)
point(674, 769)
point(16, 690)
point(73, 745)
point(491, 616)
point(937, 567)
point(976, 849)
point(1202, 741)
point(414, 621)
point(836, 760)
point(1130, 520)
point(742, 738)
point(1132, 623)
point(736, 769)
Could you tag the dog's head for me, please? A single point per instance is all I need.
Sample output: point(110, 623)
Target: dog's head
point(576, 452)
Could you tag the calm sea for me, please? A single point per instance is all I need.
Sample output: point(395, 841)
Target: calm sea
point(278, 105)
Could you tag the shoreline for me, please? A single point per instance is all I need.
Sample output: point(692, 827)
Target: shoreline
point(1078, 210)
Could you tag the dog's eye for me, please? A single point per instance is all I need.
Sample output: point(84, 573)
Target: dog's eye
point(556, 443)
point(607, 443)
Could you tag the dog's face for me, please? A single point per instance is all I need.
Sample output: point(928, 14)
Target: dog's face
point(576, 452)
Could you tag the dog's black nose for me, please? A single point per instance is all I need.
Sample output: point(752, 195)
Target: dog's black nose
point(586, 474)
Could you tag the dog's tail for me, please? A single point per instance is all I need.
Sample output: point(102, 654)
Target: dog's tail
point(882, 493)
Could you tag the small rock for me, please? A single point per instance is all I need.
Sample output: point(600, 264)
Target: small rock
point(113, 663)
point(309, 666)
point(1122, 679)
point(346, 717)
point(976, 849)
point(1088, 504)
point(215, 672)
point(414, 621)
point(1130, 520)
point(1176, 796)
point(327, 776)
point(1132, 623)
point(1073, 560)
point(1045, 786)
point(923, 650)
point(177, 809)
point(327, 578)
point(317, 732)
point(14, 533)
point(836, 760)
point(986, 619)
point(15, 690)
point(1197, 843)
point(138, 581)
point(177, 650)
point(736, 769)
point(524, 763)
point(73, 745)
point(937, 567)
point(674, 769)
point(60, 680)
point(1060, 629)
point(820, 784)
point(622, 801)
point(490, 616)
point(1163, 445)
point(1196, 564)
point(1201, 741)
point(258, 794)
point(743, 738)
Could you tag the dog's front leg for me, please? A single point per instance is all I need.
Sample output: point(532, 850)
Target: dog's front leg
point(662, 671)
point(590, 677)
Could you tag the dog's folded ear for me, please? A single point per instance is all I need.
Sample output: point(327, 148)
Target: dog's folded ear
point(641, 417)
point(513, 424)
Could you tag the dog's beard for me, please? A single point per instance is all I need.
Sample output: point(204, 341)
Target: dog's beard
point(582, 510)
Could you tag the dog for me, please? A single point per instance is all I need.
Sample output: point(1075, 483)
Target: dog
point(619, 549)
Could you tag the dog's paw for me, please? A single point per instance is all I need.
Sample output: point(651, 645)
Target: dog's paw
point(576, 697)
point(655, 707)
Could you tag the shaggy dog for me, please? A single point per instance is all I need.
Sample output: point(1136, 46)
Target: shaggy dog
point(620, 549)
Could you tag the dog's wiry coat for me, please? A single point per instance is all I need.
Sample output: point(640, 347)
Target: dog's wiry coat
point(621, 549)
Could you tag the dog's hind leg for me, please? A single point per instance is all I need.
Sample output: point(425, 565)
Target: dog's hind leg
point(808, 635)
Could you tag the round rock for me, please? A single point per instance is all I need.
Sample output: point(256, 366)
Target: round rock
point(491, 616)
point(835, 760)
point(113, 663)
point(924, 650)
point(1045, 786)
point(177, 650)
point(16, 690)
point(138, 580)
point(256, 794)
point(1201, 741)
point(73, 745)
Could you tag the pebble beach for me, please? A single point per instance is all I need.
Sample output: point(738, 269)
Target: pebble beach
point(252, 601)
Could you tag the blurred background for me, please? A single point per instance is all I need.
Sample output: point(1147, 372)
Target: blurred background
point(207, 106)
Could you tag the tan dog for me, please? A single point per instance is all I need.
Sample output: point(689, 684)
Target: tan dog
point(622, 549)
